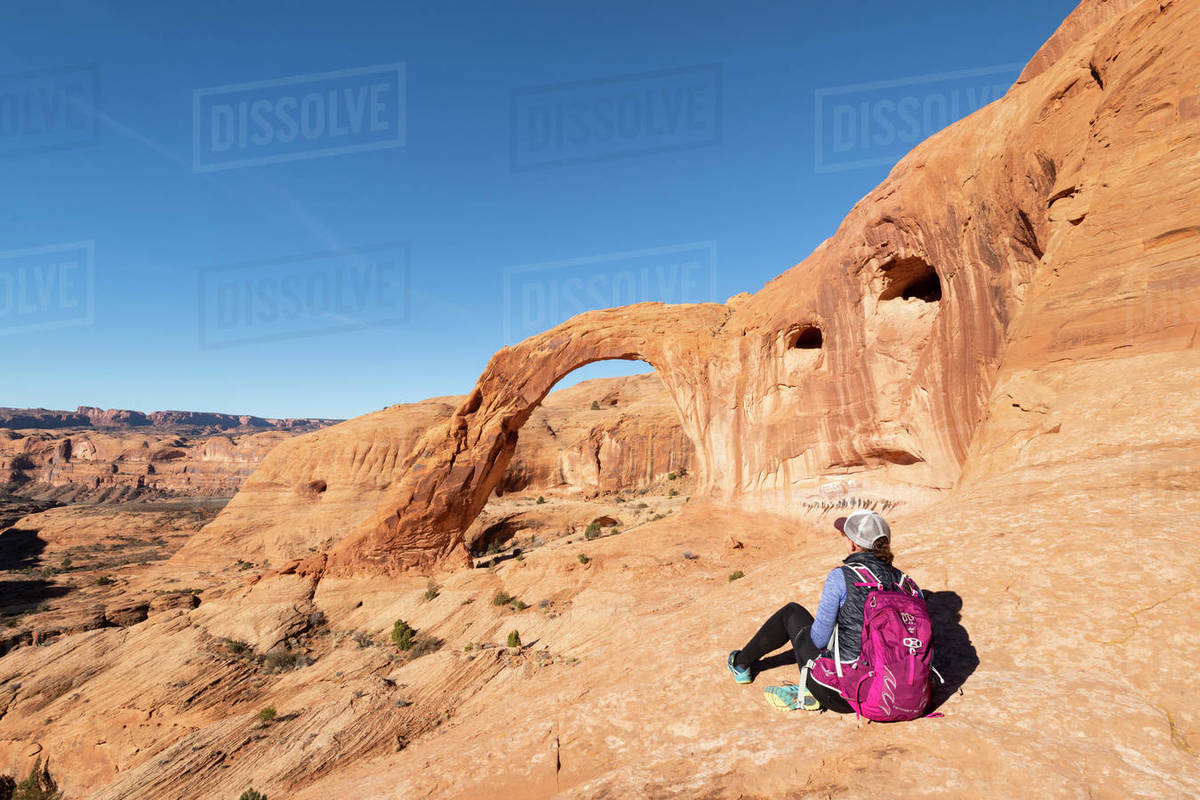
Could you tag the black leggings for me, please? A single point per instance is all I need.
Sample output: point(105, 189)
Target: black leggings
point(791, 624)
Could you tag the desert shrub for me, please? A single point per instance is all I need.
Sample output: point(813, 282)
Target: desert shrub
point(618, 499)
point(38, 786)
point(104, 580)
point(250, 794)
point(642, 505)
point(671, 476)
point(431, 590)
point(402, 635)
point(592, 530)
point(514, 638)
point(266, 714)
point(735, 575)
point(583, 559)
point(595, 406)
point(540, 500)
point(363, 639)
point(242, 565)
point(673, 493)
point(423, 645)
point(503, 598)
point(657, 517)
point(281, 660)
point(236, 648)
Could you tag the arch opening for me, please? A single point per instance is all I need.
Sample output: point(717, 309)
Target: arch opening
point(607, 443)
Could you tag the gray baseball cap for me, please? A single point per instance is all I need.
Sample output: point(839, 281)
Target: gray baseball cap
point(863, 527)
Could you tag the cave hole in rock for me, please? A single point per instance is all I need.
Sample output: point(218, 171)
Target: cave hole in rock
point(807, 338)
point(496, 536)
point(911, 278)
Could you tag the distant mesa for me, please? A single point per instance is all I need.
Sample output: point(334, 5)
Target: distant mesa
point(93, 417)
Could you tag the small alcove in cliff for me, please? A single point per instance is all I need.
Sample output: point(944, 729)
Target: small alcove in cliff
point(807, 338)
point(802, 347)
point(911, 278)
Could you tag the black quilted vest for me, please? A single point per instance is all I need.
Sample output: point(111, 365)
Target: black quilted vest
point(850, 615)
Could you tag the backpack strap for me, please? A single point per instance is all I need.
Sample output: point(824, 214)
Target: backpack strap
point(804, 673)
point(908, 585)
point(858, 570)
point(837, 655)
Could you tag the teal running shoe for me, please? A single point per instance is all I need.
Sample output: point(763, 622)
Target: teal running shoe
point(791, 698)
point(740, 674)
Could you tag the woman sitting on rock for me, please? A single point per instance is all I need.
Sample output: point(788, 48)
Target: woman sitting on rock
point(828, 648)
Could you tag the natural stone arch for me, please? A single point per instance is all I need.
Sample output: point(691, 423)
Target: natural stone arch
point(445, 481)
point(915, 297)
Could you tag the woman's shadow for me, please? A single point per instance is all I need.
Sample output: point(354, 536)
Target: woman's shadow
point(954, 656)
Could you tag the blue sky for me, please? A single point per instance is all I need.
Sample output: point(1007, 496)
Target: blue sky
point(467, 174)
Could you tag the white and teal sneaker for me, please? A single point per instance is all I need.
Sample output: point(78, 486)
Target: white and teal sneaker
point(740, 674)
point(791, 698)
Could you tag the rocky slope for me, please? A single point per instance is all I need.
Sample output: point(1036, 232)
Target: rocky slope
point(1037, 426)
point(314, 488)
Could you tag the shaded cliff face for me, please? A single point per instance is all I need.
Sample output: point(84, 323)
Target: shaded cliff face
point(876, 355)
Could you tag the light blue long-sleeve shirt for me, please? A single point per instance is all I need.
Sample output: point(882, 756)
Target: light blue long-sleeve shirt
point(832, 598)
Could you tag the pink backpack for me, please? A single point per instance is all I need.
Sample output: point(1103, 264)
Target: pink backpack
point(889, 681)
